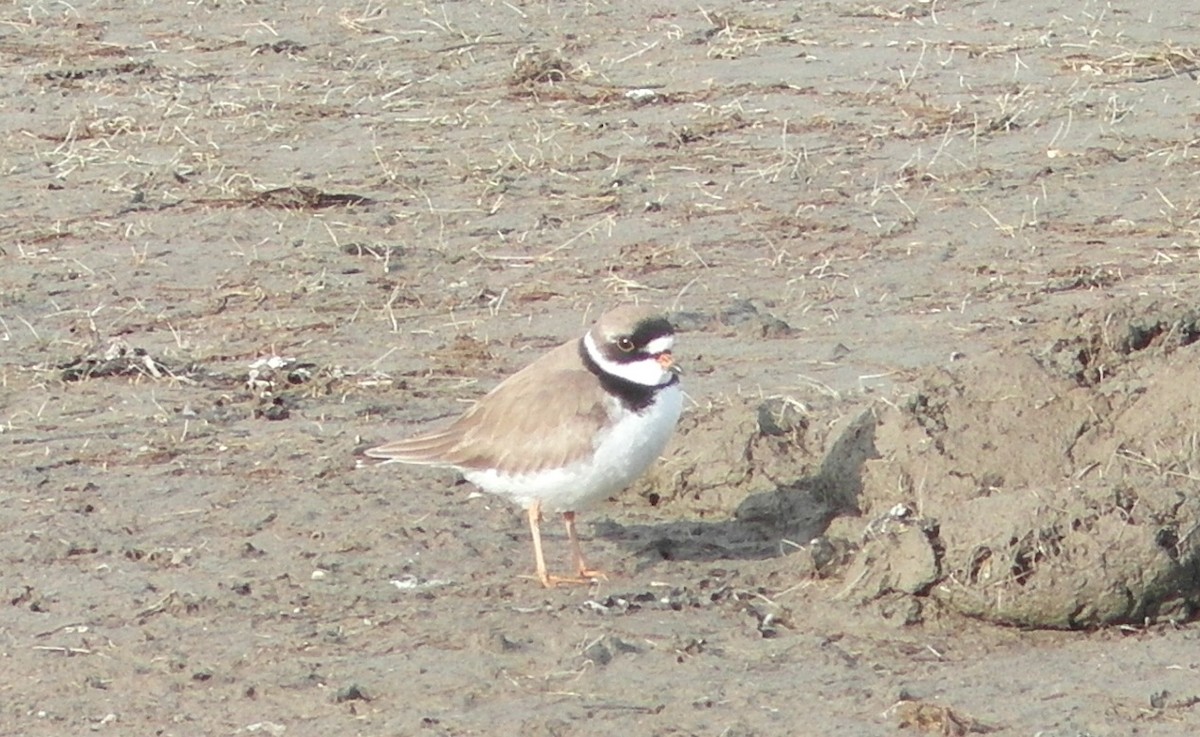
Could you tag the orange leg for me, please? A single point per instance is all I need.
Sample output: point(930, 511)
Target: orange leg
point(586, 575)
point(581, 567)
point(535, 526)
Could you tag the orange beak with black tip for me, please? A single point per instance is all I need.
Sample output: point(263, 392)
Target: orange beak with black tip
point(667, 361)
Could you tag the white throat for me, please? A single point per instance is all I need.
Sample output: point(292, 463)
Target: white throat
point(646, 372)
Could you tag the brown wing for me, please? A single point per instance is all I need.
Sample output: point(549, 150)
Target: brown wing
point(545, 415)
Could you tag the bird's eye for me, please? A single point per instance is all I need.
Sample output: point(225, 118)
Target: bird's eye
point(625, 344)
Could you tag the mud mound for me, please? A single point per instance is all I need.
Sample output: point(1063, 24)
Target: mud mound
point(1050, 492)
point(750, 478)
point(1099, 345)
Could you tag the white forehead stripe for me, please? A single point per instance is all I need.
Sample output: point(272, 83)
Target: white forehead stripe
point(660, 345)
point(647, 372)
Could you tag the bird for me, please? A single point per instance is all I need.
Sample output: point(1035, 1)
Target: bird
point(573, 427)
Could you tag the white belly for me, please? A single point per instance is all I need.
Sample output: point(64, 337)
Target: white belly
point(623, 453)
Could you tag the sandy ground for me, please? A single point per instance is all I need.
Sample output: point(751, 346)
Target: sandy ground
point(241, 240)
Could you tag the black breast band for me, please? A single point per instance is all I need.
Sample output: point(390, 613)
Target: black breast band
point(632, 395)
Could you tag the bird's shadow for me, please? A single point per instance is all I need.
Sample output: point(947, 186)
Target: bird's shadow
point(766, 524)
point(734, 538)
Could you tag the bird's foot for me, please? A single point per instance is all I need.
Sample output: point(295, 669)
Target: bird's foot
point(583, 578)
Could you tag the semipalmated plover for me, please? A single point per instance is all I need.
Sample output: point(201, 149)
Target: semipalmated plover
point(573, 427)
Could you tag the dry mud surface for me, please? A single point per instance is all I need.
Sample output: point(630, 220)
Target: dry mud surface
point(934, 264)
